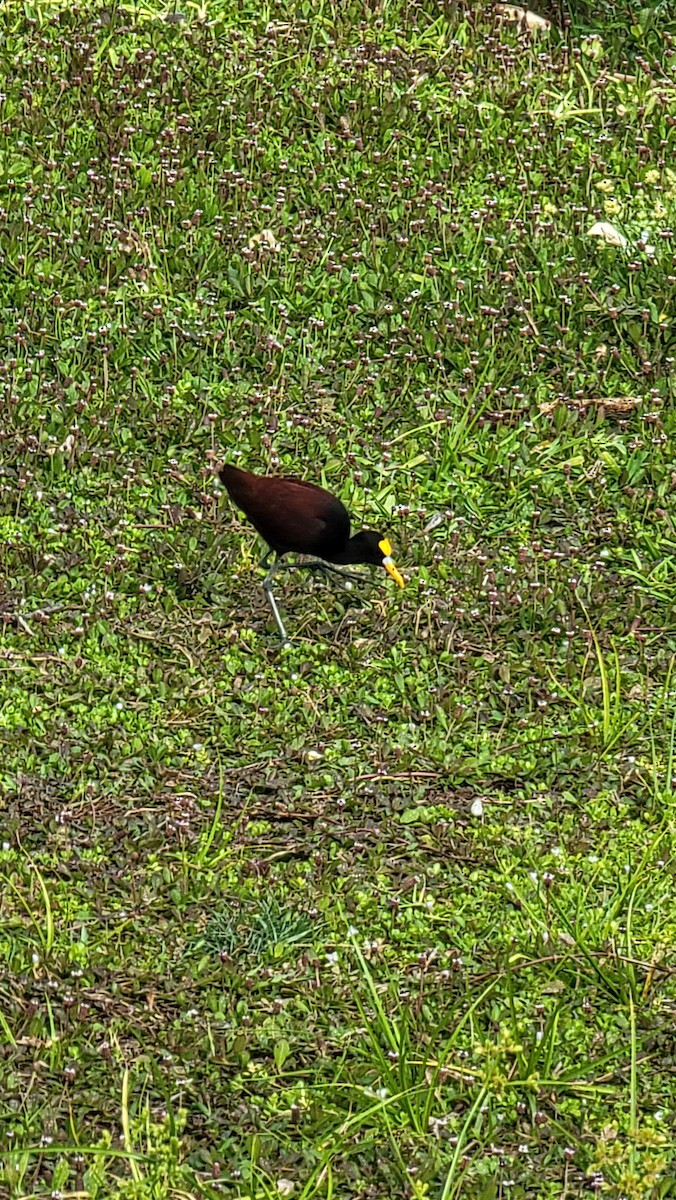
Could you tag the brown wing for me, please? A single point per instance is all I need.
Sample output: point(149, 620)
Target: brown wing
point(289, 513)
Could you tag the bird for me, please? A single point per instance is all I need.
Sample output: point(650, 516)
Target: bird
point(294, 516)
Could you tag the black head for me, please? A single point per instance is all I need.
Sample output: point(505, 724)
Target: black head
point(370, 546)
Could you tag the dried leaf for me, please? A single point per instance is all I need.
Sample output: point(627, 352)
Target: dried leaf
point(617, 405)
point(130, 242)
point(434, 522)
point(528, 19)
point(265, 238)
point(611, 405)
point(608, 233)
point(535, 21)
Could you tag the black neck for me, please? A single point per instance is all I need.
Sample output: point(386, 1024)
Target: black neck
point(354, 551)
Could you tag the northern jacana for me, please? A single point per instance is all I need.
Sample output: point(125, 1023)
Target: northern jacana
point(293, 516)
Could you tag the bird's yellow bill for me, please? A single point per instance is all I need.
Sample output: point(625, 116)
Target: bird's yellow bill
point(388, 562)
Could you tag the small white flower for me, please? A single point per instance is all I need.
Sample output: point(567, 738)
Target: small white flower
point(643, 244)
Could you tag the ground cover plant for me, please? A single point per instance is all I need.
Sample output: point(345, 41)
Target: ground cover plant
point(390, 912)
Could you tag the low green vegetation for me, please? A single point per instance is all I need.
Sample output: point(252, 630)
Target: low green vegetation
point(391, 912)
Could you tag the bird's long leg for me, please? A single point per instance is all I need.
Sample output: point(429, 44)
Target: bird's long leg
point(358, 576)
point(267, 588)
point(317, 564)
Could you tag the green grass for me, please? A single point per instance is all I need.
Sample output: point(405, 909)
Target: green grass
point(390, 913)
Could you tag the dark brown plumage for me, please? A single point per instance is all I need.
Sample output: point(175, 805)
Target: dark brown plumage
point(293, 516)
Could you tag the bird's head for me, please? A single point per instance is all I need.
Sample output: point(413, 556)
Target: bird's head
point(377, 550)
